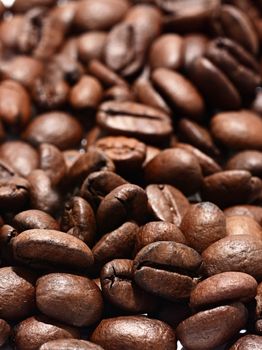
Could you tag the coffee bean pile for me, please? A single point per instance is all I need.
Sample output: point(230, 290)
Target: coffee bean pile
point(131, 175)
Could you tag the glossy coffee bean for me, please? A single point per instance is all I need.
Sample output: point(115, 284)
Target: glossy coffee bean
point(35, 248)
point(234, 253)
point(135, 333)
point(240, 224)
point(175, 264)
point(119, 288)
point(246, 160)
point(167, 203)
point(34, 219)
point(58, 296)
point(17, 293)
point(194, 47)
point(79, 220)
point(223, 287)
point(14, 194)
point(35, 331)
point(90, 45)
point(126, 202)
point(72, 344)
point(5, 331)
point(175, 167)
point(248, 342)
point(211, 328)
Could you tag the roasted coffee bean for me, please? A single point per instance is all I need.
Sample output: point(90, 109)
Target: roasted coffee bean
point(167, 203)
point(175, 167)
point(34, 219)
point(7, 233)
point(43, 129)
point(89, 162)
point(175, 264)
point(21, 6)
point(128, 154)
point(203, 224)
point(116, 244)
point(17, 293)
point(156, 231)
point(15, 105)
point(246, 160)
point(231, 22)
point(52, 162)
point(167, 52)
point(14, 194)
point(231, 187)
point(5, 331)
point(58, 296)
point(194, 47)
point(252, 211)
point(87, 93)
point(100, 15)
point(90, 45)
point(42, 195)
point(248, 342)
point(118, 93)
point(71, 344)
point(36, 248)
point(181, 93)
point(134, 333)
point(135, 120)
point(21, 156)
point(98, 184)
point(70, 157)
point(104, 74)
point(118, 287)
point(237, 130)
point(211, 328)
point(240, 224)
point(126, 202)
point(223, 287)
point(234, 253)
point(35, 331)
point(79, 220)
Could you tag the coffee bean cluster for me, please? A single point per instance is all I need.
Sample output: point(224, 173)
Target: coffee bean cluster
point(131, 175)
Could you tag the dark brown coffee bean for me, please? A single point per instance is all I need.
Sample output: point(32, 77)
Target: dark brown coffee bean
point(167, 203)
point(197, 136)
point(17, 294)
point(238, 130)
point(14, 194)
point(36, 248)
point(15, 105)
point(259, 301)
point(102, 15)
point(5, 331)
point(52, 162)
point(135, 120)
point(118, 93)
point(21, 6)
point(234, 253)
point(71, 344)
point(231, 22)
point(223, 287)
point(175, 264)
point(126, 202)
point(209, 329)
point(118, 287)
point(252, 211)
point(35, 331)
point(34, 219)
point(243, 225)
point(87, 163)
point(151, 152)
point(182, 94)
point(78, 220)
point(194, 47)
point(23, 69)
point(118, 244)
point(248, 342)
point(42, 195)
point(203, 224)
point(90, 45)
point(70, 157)
point(104, 74)
point(167, 52)
point(87, 93)
point(98, 184)
point(21, 156)
point(134, 333)
point(176, 167)
point(156, 231)
point(246, 160)
point(43, 129)
point(230, 187)
point(128, 154)
point(7, 233)
point(58, 296)
point(208, 165)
